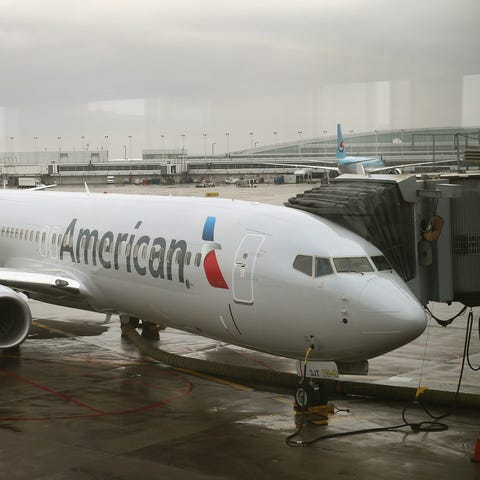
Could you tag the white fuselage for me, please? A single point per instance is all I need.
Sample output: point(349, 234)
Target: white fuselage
point(218, 268)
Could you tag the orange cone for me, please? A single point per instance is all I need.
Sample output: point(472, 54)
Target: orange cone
point(476, 453)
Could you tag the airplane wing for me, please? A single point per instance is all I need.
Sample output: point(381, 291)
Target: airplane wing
point(45, 286)
point(303, 165)
point(405, 165)
point(42, 187)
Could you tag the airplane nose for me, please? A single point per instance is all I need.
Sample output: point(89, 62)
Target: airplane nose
point(392, 309)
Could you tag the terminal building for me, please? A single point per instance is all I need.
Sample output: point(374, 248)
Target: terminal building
point(394, 147)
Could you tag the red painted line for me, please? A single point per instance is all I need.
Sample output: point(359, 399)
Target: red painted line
point(99, 413)
point(48, 390)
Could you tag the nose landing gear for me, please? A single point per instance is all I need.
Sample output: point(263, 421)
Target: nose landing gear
point(311, 403)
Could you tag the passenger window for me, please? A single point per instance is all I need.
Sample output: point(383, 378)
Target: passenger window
point(352, 264)
point(144, 251)
point(381, 263)
point(178, 256)
point(198, 259)
point(37, 237)
point(31, 235)
point(188, 257)
point(169, 255)
point(54, 239)
point(322, 267)
point(303, 263)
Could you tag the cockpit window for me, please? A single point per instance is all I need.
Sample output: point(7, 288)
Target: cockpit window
point(352, 264)
point(303, 263)
point(322, 267)
point(313, 266)
point(381, 263)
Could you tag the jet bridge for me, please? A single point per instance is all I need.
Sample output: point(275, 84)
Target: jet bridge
point(427, 227)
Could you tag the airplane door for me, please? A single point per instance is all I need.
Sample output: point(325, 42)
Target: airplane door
point(244, 267)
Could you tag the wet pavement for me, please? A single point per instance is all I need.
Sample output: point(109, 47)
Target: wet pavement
point(80, 402)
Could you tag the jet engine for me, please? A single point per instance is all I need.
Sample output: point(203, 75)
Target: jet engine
point(15, 318)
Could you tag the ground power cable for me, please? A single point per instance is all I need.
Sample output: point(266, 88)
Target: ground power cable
point(434, 425)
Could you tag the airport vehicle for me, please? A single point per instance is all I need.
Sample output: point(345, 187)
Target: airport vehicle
point(27, 182)
point(264, 277)
point(231, 181)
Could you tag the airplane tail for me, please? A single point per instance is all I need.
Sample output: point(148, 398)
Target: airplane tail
point(340, 151)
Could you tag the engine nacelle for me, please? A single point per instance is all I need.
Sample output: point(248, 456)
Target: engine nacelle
point(15, 318)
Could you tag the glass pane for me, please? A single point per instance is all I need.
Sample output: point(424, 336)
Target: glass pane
point(352, 264)
point(381, 263)
point(303, 263)
point(322, 267)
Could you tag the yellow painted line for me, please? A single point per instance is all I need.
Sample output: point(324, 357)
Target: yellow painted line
point(99, 361)
point(228, 383)
point(288, 401)
point(53, 330)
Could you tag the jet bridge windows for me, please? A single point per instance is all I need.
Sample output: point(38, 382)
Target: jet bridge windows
point(313, 266)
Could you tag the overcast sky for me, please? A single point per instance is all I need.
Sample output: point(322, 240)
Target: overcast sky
point(147, 68)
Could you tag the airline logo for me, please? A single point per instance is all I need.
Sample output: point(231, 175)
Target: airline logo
point(210, 263)
point(141, 254)
point(341, 146)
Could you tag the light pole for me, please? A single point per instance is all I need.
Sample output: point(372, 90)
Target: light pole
point(275, 143)
point(300, 143)
point(376, 143)
point(130, 146)
point(205, 146)
point(35, 141)
point(403, 142)
point(11, 148)
point(251, 139)
point(325, 144)
point(125, 152)
point(163, 141)
point(227, 136)
point(183, 151)
point(213, 148)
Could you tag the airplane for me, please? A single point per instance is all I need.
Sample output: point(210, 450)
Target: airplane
point(264, 277)
point(358, 165)
point(349, 164)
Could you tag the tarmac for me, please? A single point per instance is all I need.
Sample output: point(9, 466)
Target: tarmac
point(78, 401)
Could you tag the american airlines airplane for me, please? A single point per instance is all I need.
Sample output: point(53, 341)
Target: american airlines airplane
point(265, 277)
